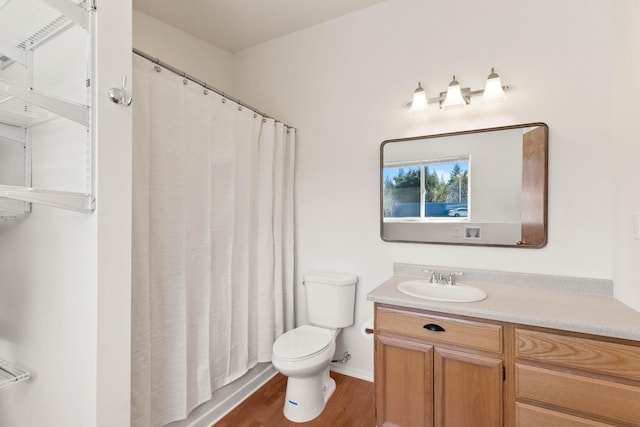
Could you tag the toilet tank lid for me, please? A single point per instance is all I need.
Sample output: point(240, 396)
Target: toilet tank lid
point(338, 279)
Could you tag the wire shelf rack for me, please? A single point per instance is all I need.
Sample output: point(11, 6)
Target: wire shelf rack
point(10, 374)
point(27, 23)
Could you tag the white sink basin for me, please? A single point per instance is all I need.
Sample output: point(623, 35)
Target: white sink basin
point(436, 292)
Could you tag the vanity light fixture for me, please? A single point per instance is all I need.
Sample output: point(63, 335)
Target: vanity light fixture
point(454, 95)
point(419, 102)
point(457, 95)
point(493, 88)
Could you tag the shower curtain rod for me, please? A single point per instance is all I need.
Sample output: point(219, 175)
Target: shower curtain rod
point(201, 83)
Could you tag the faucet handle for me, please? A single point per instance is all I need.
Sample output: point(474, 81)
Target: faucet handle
point(433, 275)
point(452, 275)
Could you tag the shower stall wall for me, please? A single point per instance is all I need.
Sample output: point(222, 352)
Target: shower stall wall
point(212, 241)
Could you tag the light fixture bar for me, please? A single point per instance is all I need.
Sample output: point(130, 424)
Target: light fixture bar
point(466, 92)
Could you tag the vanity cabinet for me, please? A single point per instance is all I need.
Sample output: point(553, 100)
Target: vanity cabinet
point(574, 380)
point(435, 370)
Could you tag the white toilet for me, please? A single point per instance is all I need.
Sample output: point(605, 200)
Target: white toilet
point(304, 353)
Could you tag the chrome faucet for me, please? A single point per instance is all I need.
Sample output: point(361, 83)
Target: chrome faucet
point(440, 279)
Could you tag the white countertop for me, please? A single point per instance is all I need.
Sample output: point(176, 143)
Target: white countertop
point(591, 314)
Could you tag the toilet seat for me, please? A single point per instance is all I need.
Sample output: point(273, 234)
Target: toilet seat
point(302, 343)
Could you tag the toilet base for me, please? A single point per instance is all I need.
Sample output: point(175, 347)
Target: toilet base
point(306, 396)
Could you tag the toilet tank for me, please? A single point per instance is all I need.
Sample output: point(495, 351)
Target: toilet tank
point(330, 298)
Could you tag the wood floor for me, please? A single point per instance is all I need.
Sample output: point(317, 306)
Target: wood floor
point(352, 405)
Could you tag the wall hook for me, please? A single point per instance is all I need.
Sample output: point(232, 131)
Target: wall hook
point(119, 95)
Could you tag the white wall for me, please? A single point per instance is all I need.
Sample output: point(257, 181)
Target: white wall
point(344, 85)
point(112, 257)
point(626, 151)
point(48, 322)
point(194, 56)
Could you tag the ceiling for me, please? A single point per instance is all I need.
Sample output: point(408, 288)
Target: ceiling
point(234, 25)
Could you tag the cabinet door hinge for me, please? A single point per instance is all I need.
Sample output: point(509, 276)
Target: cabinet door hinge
point(504, 373)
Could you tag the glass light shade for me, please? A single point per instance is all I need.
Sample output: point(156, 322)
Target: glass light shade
point(419, 102)
point(493, 88)
point(454, 95)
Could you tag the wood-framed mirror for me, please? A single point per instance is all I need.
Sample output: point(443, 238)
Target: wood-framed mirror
point(479, 187)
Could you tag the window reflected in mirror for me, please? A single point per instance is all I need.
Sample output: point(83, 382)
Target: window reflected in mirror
point(431, 189)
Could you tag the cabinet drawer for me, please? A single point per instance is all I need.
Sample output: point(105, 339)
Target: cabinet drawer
point(467, 333)
point(532, 416)
point(591, 355)
point(615, 401)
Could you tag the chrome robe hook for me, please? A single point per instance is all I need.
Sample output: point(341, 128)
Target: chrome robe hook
point(119, 95)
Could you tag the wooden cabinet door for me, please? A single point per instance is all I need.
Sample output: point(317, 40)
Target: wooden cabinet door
point(467, 390)
point(404, 383)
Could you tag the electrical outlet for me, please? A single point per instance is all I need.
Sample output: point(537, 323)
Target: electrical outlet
point(472, 232)
point(636, 226)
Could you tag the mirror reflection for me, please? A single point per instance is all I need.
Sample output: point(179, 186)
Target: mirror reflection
point(480, 187)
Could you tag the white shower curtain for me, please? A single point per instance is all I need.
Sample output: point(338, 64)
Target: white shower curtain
point(212, 242)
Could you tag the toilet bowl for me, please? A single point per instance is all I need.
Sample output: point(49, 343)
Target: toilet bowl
point(304, 353)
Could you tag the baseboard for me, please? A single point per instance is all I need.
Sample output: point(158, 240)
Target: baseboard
point(343, 369)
